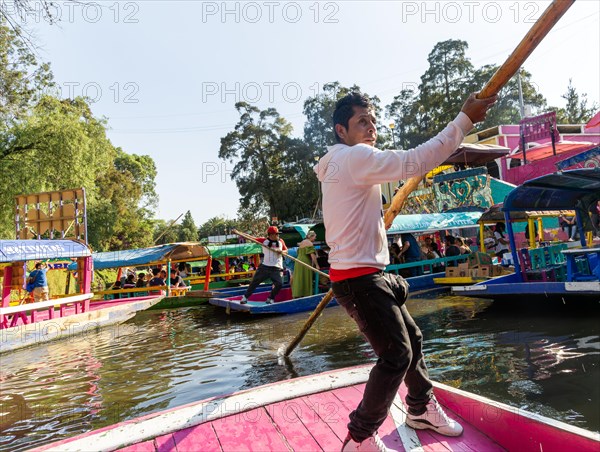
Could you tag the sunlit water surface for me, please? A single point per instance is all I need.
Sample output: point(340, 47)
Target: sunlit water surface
point(546, 362)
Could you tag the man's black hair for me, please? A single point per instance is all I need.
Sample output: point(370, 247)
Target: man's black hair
point(344, 109)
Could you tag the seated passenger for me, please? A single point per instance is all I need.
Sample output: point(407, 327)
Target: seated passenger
point(116, 286)
point(451, 249)
point(176, 280)
point(157, 279)
point(141, 281)
point(130, 281)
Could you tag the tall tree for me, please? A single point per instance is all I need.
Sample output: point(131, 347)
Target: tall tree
point(22, 78)
point(121, 217)
point(576, 110)
point(404, 114)
point(257, 146)
point(443, 85)
point(58, 145)
point(300, 183)
point(165, 232)
point(216, 226)
point(251, 221)
point(507, 110)
point(188, 232)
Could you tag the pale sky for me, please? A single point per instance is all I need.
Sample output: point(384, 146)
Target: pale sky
point(167, 74)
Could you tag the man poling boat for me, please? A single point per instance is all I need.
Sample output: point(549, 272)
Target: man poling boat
point(350, 174)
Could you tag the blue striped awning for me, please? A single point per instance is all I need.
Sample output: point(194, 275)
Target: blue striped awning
point(432, 222)
point(29, 250)
point(148, 256)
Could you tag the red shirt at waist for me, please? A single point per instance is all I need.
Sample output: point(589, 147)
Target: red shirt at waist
point(340, 275)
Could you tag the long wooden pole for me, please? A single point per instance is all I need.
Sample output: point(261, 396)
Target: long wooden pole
point(536, 34)
point(510, 67)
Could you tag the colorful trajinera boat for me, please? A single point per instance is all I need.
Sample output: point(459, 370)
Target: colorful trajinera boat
point(200, 283)
point(310, 413)
point(64, 315)
point(284, 303)
point(554, 272)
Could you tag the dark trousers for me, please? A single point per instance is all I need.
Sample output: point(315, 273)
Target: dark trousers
point(264, 272)
point(376, 303)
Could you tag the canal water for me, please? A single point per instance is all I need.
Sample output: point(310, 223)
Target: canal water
point(544, 362)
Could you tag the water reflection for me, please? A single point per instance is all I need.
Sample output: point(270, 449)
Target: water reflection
point(546, 363)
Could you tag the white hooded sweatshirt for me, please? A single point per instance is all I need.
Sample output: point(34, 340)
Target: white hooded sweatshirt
point(350, 179)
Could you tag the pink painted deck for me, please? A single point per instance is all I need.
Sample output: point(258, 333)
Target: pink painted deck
point(311, 413)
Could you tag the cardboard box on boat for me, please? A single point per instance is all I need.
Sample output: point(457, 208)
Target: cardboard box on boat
point(484, 271)
point(460, 271)
point(478, 258)
point(480, 271)
point(497, 270)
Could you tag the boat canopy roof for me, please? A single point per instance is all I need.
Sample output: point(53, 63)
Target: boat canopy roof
point(28, 250)
point(476, 154)
point(566, 190)
point(432, 222)
point(185, 251)
point(234, 250)
point(495, 214)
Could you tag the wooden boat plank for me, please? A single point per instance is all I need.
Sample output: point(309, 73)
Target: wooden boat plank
point(251, 420)
point(319, 429)
point(165, 443)
point(249, 431)
point(146, 446)
point(190, 438)
point(330, 411)
point(289, 418)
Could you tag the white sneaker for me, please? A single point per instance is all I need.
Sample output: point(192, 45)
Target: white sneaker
point(269, 301)
point(570, 240)
point(435, 419)
point(244, 300)
point(371, 444)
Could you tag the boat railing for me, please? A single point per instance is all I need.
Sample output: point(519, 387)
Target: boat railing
point(81, 302)
point(200, 279)
point(429, 263)
point(113, 294)
point(395, 268)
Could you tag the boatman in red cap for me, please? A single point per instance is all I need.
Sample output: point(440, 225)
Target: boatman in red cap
point(350, 174)
point(271, 266)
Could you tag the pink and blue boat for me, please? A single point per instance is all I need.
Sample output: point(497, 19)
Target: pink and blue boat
point(310, 414)
point(284, 303)
point(557, 272)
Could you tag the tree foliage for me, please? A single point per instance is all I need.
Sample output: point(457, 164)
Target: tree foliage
point(318, 127)
point(165, 232)
point(216, 226)
point(48, 143)
point(188, 232)
point(445, 85)
point(576, 110)
point(121, 218)
point(258, 147)
point(22, 79)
